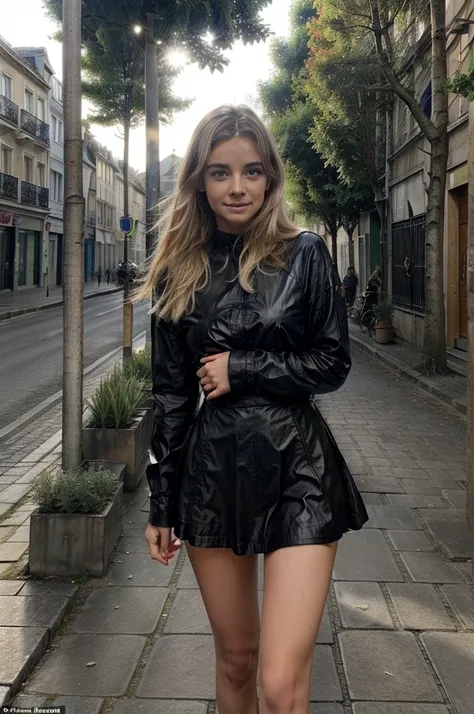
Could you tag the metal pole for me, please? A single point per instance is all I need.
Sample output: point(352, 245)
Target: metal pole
point(152, 106)
point(73, 283)
point(127, 305)
point(152, 134)
point(470, 368)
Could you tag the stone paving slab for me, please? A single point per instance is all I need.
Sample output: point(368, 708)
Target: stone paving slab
point(132, 545)
point(19, 611)
point(452, 655)
point(394, 517)
point(410, 541)
point(168, 655)
point(158, 706)
point(11, 587)
point(386, 666)
point(320, 708)
point(325, 685)
point(451, 530)
point(430, 568)
point(20, 650)
point(48, 587)
point(456, 497)
point(461, 599)
point(65, 671)
point(384, 708)
point(415, 500)
point(371, 484)
point(419, 607)
point(362, 605)
point(366, 556)
point(144, 571)
point(74, 705)
point(126, 611)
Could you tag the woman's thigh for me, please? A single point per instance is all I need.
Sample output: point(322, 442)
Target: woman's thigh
point(228, 585)
point(296, 585)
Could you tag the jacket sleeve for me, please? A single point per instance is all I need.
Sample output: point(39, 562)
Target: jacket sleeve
point(175, 393)
point(324, 361)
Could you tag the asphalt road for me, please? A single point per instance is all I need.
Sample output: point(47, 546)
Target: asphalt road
point(31, 350)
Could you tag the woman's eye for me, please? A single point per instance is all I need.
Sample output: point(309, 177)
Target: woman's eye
point(254, 172)
point(219, 174)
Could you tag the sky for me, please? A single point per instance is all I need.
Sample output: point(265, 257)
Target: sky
point(26, 24)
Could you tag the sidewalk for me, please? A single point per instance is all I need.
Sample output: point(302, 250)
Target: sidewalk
point(405, 359)
point(398, 633)
point(20, 302)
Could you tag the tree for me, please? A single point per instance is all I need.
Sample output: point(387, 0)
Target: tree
point(382, 30)
point(113, 80)
point(315, 186)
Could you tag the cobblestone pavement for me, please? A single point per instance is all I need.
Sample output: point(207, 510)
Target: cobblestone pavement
point(398, 633)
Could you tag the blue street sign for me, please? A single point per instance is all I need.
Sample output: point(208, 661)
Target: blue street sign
point(126, 224)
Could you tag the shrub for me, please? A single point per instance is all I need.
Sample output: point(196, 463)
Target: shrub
point(384, 309)
point(139, 365)
point(117, 401)
point(81, 491)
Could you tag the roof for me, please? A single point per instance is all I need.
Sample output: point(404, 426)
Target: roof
point(26, 52)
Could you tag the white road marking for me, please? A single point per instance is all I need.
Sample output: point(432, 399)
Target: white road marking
point(99, 314)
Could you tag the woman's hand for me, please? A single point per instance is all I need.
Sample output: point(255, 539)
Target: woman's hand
point(162, 545)
point(214, 375)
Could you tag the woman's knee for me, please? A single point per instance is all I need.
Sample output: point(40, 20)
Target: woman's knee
point(278, 686)
point(238, 667)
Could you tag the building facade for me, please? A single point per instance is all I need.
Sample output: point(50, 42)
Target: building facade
point(56, 184)
point(25, 80)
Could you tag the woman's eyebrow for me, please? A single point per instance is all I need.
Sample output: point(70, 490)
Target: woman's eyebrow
point(251, 164)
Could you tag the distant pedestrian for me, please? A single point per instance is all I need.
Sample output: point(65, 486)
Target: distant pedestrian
point(99, 276)
point(350, 283)
point(107, 275)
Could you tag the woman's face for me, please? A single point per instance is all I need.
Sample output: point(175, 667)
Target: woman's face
point(235, 183)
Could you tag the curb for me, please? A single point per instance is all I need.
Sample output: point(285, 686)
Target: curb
point(8, 314)
point(410, 374)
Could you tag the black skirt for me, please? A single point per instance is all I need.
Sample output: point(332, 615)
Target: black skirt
point(256, 475)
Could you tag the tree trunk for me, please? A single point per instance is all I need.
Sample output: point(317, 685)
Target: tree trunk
point(350, 235)
point(127, 305)
point(434, 347)
point(73, 283)
point(470, 375)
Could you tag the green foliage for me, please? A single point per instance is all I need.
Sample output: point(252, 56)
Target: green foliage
point(117, 401)
point(185, 24)
point(139, 366)
point(83, 491)
point(463, 84)
point(384, 309)
point(316, 186)
point(113, 80)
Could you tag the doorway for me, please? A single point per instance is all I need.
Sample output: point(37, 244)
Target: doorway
point(7, 258)
point(463, 218)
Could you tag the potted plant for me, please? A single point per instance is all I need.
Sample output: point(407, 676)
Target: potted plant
point(139, 366)
point(384, 331)
point(120, 426)
point(76, 524)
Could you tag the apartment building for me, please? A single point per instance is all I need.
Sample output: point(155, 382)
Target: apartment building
point(56, 184)
point(106, 212)
point(136, 203)
point(25, 80)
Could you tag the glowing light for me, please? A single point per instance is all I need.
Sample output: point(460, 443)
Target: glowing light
point(137, 29)
point(177, 58)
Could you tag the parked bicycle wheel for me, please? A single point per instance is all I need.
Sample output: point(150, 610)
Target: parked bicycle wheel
point(367, 322)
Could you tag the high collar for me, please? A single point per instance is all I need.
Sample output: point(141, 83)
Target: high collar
point(224, 242)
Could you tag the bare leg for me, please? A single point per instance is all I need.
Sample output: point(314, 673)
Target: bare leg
point(228, 585)
point(297, 581)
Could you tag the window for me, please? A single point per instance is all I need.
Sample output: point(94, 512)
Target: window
point(57, 186)
point(57, 90)
point(7, 86)
point(41, 174)
point(28, 169)
point(29, 101)
point(7, 160)
point(41, 110)
point(57, 129)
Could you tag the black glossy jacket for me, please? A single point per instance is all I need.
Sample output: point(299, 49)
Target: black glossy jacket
point(288, 341)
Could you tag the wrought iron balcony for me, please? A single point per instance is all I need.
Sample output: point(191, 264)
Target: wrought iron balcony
point(8, 187)
point(34, 126)
point(8, 110)
point(32, 195)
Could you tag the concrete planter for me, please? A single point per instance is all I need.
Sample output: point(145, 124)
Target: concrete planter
point(65, 545)
point(129, 446)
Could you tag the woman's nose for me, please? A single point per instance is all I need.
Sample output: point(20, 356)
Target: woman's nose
point(237, 186)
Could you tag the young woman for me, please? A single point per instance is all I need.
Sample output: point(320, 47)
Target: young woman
point(249, 310)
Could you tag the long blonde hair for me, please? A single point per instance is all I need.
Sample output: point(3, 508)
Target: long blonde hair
point(181, 257)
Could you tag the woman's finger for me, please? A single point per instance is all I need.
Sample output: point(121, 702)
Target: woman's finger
point(212, 358)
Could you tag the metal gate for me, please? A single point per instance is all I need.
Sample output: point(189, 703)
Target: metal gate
point(408, 263)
